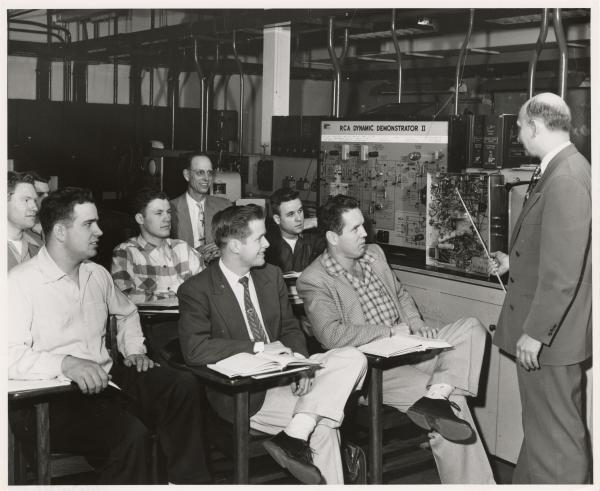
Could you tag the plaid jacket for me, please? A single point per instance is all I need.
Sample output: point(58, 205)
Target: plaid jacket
point(334, 309)
point(140, 267)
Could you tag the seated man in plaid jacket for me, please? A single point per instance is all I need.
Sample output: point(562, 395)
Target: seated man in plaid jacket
point(152, 264)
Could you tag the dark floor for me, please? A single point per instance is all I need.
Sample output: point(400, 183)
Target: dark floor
point(407, 460)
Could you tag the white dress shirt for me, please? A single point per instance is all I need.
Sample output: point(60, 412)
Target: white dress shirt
point(193, 209)
point(238, 290)
point(51, 317)
point(550, 155)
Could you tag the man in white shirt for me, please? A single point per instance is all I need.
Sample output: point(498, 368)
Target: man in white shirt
point(59, 304)
point(546, 319)
point(152, 264)
point(22, 212)
point(240, 304)
point(193, 211)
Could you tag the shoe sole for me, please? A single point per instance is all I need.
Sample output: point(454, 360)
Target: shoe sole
point(305, 473)
point(450, 430)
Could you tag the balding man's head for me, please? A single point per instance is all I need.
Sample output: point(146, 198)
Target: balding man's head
point(551, 109)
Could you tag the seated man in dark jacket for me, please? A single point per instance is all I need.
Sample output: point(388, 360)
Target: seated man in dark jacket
point(239, 305)
point(292, 246)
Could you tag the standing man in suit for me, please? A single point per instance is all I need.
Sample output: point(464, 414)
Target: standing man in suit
point(239, 304)
point(22, 211)
point(546, 320)
point(193, 211)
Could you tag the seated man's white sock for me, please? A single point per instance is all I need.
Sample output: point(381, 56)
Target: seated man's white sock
point(301, 426)
point(439, 391)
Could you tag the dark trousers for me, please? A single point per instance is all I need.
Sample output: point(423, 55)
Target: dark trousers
point(112, 429)
point(555, 443)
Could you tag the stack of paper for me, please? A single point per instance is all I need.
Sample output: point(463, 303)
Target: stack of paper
point(246, 364)
point(400, 344)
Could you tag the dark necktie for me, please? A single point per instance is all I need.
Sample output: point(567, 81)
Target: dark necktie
point(535, 177)
point(201, 239)
point(258, 332)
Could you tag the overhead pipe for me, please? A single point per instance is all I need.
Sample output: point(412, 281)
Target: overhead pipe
point(564, 56)
point(241, 73)
point(209, 90)
point(461, 57)
point(33, 31)
point(538, 49)
point(398, 54)
point(337, 67)
point(202, 79)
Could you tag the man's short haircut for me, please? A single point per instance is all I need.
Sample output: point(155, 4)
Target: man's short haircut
point(232, 223)
point(330, 214)
point(38, 177)
point(15, 178)
point(144, 196)
point(553, 111)
point(282, 195)
point(191, 156)
point(59, 205)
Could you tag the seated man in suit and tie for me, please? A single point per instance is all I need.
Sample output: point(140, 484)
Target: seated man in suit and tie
point(193, 211)
point(152, 264)
point(352, 297)
point(59, 304)
point(22, 211)
point(240, 304)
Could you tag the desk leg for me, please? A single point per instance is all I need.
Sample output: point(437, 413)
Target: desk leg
point(11, 456)
point(241, 429)
point(42, 416)
point(375, 429)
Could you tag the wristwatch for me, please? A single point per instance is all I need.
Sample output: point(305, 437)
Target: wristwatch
point(259, 347)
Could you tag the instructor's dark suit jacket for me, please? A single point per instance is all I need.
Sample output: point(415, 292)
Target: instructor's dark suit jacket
point(212, 326)
point(181, 223)
point(550, 279)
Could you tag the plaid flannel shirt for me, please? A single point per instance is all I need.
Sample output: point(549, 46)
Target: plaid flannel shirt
point(375, 301)
point(140, 267)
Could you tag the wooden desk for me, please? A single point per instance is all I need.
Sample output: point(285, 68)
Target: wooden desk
point(239, 388)
point(377, 365)
point(39, 399)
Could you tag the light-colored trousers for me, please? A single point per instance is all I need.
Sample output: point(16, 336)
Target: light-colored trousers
point(343, 371)
point(457, 463)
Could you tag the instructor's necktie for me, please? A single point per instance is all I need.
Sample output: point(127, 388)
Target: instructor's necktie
point(535, 177)
point(258, 332)
point(201, 238)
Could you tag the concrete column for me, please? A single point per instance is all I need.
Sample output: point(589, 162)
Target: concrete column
point(276, 78)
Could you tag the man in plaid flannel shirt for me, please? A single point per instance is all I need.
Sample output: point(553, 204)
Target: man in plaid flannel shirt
point(152, 264)
point(351, 297)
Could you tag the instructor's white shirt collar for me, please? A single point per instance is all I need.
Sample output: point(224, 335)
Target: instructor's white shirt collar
point(551, 154)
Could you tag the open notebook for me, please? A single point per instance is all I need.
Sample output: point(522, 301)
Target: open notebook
point(401, 344)
point(246, 364)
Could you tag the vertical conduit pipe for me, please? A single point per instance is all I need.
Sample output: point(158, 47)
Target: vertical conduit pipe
point(209, 91)
point(241, 73)
point(398, 54)
point(564, 56)
point(202, 80)
point(536, 54)
point(173, 84)
point(49, 41)
point(116, 64)
point(461, 57)
point(151, 70)
point(337, 68)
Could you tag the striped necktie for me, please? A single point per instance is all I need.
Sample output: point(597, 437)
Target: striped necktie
point(535, 177)
point(258, 332)
point(201, 238)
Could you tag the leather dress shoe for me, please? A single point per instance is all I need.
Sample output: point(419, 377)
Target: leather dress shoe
point(437, 415)
point(294, 455)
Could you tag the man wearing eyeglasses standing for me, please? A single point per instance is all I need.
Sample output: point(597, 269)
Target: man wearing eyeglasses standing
point(192, 212)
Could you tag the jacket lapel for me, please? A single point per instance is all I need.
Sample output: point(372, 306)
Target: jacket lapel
point(226, 304)
point(266, 300)
point(184, 221)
